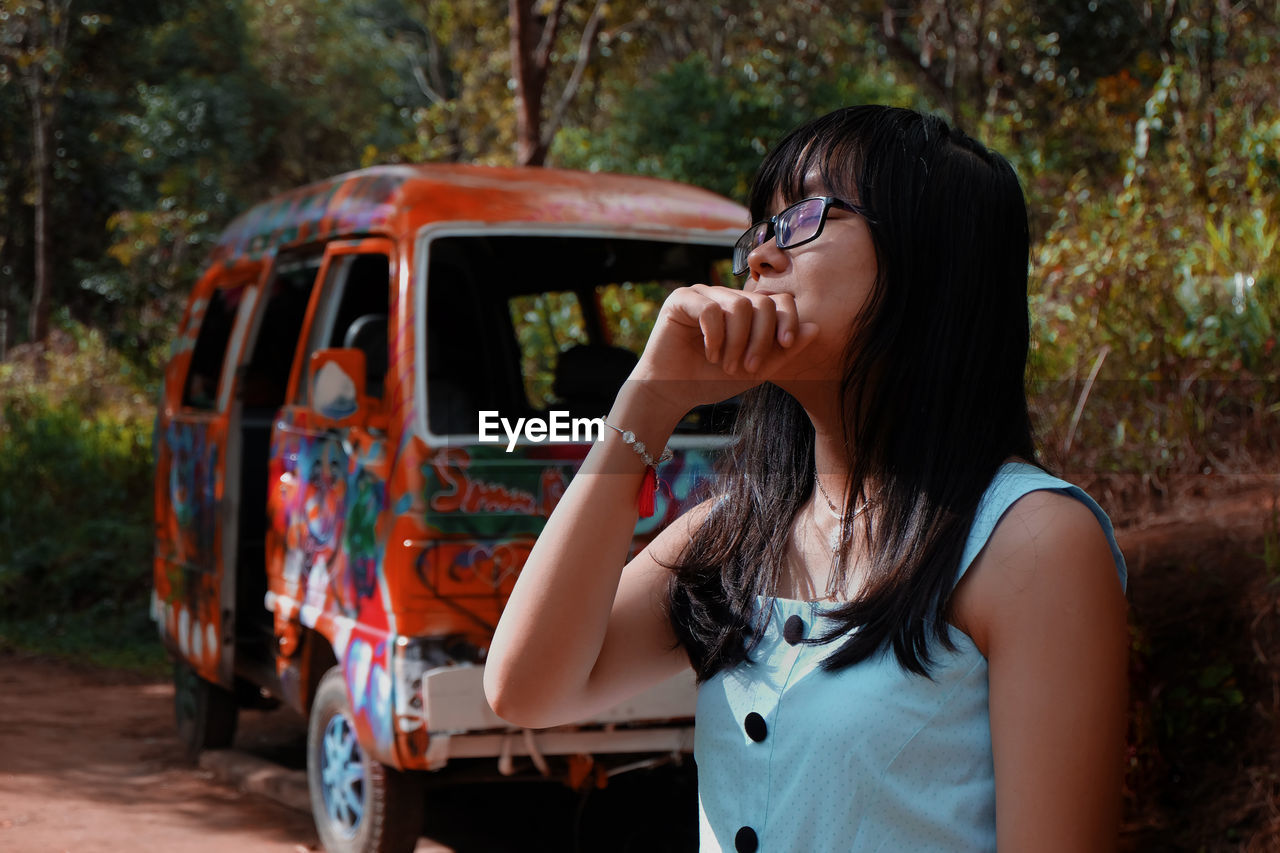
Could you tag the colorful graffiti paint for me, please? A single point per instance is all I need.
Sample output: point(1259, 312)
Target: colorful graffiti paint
point(325, 511)
point(187, 599)
point(378, 539)
point(193, 493)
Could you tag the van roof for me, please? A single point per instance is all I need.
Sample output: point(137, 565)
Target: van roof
point(399, 199)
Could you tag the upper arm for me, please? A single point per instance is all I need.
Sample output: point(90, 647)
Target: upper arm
point(640, 647)
point(1043, 602)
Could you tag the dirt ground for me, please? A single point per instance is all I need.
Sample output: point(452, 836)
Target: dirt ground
point(89, 762)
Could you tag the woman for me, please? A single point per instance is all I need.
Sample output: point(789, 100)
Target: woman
point(906, 636)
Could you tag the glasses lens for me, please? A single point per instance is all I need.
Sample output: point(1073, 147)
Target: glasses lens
point(799, 222)
point(752, 237)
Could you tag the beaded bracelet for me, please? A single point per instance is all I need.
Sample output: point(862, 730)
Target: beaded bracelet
point(648, 485)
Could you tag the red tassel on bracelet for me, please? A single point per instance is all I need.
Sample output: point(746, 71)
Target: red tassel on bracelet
point(648, 492)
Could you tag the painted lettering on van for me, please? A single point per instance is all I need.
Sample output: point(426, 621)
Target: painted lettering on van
point(461, 570)
point(464, 493)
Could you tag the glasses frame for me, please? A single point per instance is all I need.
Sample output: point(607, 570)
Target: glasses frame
point(771, 229)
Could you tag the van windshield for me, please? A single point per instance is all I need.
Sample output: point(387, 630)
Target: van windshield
point(525, 324)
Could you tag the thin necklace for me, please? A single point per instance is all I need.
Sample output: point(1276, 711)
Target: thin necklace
point(832, 504)
point(835, 583)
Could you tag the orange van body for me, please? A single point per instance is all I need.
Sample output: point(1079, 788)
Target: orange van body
point(324, 501)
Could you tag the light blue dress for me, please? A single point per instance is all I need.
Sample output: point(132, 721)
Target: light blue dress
point(868, 758)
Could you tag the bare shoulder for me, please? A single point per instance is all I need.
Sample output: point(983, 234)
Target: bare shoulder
point(1044, 604)
point(1048, 560)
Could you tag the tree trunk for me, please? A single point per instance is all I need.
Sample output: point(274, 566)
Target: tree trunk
point(531, 79)
point(38, 326)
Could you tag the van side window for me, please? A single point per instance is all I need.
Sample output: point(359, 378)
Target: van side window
point(266, 375)
point(523, 323)
point(546, 324)
point(201, 388)
point(353, 314)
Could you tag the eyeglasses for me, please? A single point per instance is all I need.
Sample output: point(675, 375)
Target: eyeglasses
point(799, 224)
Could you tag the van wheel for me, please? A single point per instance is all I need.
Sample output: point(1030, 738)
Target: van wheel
point(359, 804)
point(205, 712)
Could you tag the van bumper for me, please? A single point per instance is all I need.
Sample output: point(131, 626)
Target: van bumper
point(460, 723)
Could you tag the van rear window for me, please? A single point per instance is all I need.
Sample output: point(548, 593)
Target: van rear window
point(201, 388)
point(523, 324)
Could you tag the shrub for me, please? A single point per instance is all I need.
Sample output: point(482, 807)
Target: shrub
point(75, 501)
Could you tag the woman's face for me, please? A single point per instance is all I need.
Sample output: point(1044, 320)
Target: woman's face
point(830, 279)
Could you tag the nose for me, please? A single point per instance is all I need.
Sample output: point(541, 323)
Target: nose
point(767, 259)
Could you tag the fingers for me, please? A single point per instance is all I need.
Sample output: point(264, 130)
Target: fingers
point(741, 322)
point(739, 329)
point(763, 334)
point(805, 334)
point(711, 321)
point(722, 342)
point(788, 323)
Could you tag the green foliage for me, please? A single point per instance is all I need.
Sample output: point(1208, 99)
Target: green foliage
point(630, 309)
point(1157, 273)
point(710, 125)
point(75, 503)
point(546, 325)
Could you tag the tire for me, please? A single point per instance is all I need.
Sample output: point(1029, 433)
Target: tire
point(205, 713)
point(359, 804)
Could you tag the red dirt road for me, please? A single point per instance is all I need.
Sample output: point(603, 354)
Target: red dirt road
point(89, 762)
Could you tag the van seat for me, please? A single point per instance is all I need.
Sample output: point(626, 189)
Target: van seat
point(588, 377)
point(368, 333)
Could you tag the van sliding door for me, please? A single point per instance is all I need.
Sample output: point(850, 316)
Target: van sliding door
point(328, 485)
point(196, 534)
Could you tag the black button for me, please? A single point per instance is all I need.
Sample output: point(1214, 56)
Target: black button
point(756, 729)
point(746, 841)
point(793, 630)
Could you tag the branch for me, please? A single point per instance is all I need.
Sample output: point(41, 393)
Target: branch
point(542, 56)
point(433, 59)
point(420, 76)
point(893, 41)
point(585, 48)
point(1084, 396)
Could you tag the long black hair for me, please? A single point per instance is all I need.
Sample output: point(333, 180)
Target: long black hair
point(932, 388)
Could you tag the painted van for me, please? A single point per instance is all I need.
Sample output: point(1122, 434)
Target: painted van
point(331, 531)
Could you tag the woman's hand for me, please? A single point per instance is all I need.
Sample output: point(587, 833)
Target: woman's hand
point(710, 343)
point(579, 632)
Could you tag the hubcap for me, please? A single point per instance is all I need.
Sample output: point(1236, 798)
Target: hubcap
point(342, 776)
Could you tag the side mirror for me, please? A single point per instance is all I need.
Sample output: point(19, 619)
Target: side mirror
point(336, 379)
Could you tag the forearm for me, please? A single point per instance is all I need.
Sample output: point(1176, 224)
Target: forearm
point(555, 622)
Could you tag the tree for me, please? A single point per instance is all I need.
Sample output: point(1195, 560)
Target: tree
point(13, 226)
point(697, 92)
point(533, 40)
point(33, 46)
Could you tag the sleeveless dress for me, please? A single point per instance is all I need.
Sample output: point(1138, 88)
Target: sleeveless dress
point(868, 758)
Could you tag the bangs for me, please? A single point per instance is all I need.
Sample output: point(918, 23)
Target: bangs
point(830, 147)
